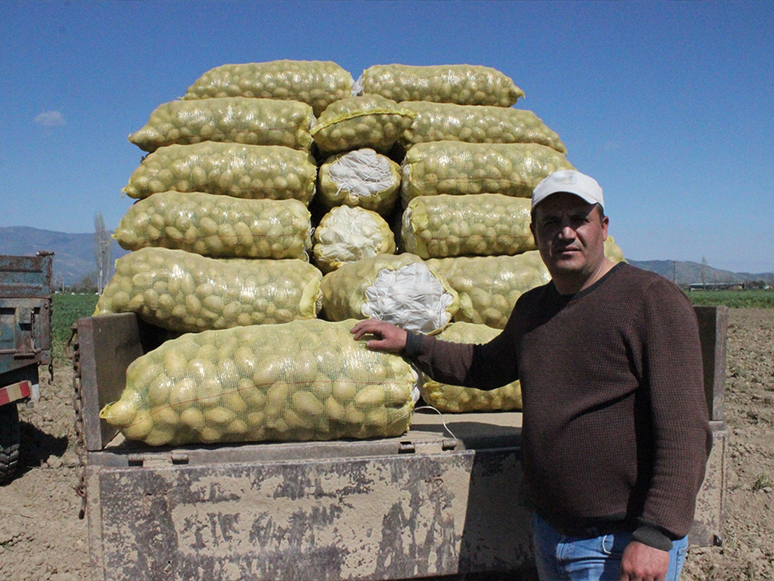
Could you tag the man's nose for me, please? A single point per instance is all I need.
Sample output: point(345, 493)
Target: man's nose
point(566, 232)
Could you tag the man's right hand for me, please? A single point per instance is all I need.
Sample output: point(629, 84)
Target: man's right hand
point(389, 338)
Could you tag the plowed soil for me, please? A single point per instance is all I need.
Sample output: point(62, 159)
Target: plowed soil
point(42, 538)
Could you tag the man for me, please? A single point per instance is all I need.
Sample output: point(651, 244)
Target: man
point(615, 430)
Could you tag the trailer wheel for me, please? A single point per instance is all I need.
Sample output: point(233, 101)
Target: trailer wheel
point(9, 440)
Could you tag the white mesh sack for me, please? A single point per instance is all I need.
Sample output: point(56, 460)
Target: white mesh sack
point(361, 178)
point(349, 234)
point(400, 289)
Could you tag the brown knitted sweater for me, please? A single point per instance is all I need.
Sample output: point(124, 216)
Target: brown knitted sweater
point(615, 419)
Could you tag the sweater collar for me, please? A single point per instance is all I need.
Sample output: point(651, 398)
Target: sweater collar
point(567, 298)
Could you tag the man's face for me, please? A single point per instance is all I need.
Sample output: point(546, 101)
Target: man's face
point(570, 236)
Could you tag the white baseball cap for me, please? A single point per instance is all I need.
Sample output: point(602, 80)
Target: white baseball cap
point(571, 182)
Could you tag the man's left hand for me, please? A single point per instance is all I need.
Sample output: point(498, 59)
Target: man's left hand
point(643, 563)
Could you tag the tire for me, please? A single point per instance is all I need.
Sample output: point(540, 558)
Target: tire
point(9, 440)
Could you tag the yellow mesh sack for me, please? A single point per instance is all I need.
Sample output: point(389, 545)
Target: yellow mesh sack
point(218, 226)
point(357, 122)
point(480, 225)
point(304, 380)
point(461, 84)
point(488, 286)
point(182, 291)
point(458, 399)
point(228, 119)
point(241, 171)
point(316, 83)
point(453, 167)
point(450, 122)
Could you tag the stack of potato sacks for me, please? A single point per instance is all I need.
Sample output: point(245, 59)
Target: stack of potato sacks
point(279, 202)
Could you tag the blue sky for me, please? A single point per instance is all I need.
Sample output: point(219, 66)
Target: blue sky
point(667, 104)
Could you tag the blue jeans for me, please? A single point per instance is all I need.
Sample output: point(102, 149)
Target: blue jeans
point(562, 558)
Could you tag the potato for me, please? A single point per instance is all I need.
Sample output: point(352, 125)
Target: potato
point(218, 226)
point(455, 398)
point(350, 234)
point(228, 119)
point(316, 83)
point(461, 84)
point(343, 398)
point(452, 167)
point(450, 122)
point(361, 178)
point(481, 224)
point(230, 169)
point(182, 291)
point(488, 286)
point(399, 289)
point(357, 122)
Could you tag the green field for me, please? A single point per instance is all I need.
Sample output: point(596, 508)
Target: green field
point(737, 299)
point(67, 309)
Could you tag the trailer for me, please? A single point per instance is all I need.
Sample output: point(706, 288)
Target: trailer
point(25, 344)
point(445, 500)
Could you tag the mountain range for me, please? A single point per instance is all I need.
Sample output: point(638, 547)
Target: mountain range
point(74, 254)
point(74, 259)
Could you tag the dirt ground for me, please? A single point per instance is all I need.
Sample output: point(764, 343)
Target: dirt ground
point(42, 538)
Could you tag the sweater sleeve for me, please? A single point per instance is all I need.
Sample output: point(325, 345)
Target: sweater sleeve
point(673, 372)
point(486, 366)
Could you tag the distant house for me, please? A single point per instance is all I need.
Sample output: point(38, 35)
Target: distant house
point(697, 286)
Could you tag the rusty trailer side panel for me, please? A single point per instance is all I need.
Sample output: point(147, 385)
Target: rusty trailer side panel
point(381, 517)
point(441, 501)
point(25, 316)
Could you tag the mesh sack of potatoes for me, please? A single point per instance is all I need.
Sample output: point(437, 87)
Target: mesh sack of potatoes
point(400, 289)
point(350, 234)
point(481, 224)
point(241, 171)
point(488, 286)
point(450, 122)
point(182, 291)
point(304, 380)
point(613, 252)
point(454, 167)
point(460, 84)
point(361, 178)
point(357, 122)
point(228, 119)
point(458, 399)
point(316, 83)
point(218, 226)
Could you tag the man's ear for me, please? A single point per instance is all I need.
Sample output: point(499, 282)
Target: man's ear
point(532, 229)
